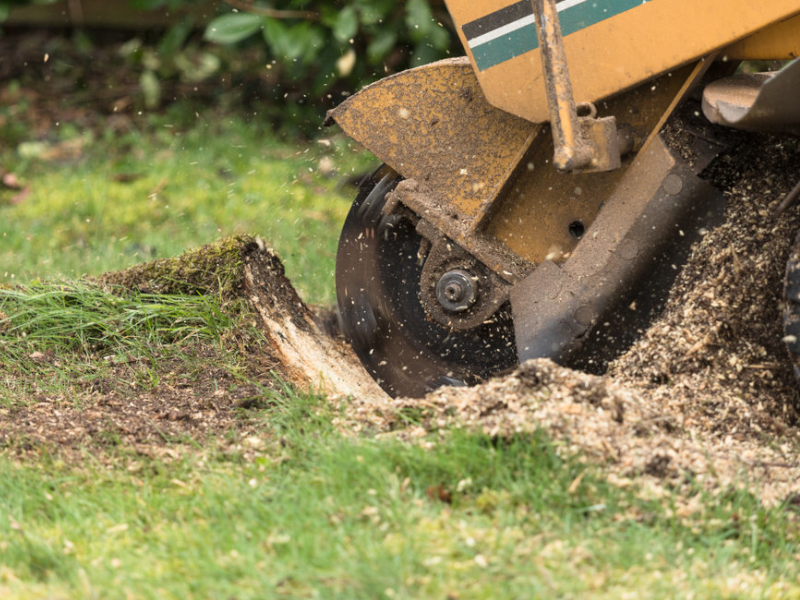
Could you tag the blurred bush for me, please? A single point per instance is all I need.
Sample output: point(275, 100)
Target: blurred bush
point(310, 53)
point(331, 39)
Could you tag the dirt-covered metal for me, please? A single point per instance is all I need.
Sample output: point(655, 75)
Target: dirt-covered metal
point(485, 213)
point(756, 101)
point(445, 263)
point(433, 125)
point(582, 143)
point(556, 306)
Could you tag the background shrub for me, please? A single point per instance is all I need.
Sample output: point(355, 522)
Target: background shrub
point(306, 54)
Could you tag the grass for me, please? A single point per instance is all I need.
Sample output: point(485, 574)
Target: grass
point(291, 508)
point(98, 204)
point(312, 514)
point(80, 316)
point(58, 337)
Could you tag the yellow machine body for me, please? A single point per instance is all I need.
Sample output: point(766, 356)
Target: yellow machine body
point(613, 45)
point(471, 135)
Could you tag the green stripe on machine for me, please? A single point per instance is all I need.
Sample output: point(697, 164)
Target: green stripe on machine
point(524, 39)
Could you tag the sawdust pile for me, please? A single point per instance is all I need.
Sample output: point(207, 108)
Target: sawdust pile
point(706, 395)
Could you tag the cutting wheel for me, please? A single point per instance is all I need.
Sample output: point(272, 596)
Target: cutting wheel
point(791, 306)
point(378, 268)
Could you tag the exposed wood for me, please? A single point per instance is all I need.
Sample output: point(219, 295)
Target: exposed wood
point(309, 358)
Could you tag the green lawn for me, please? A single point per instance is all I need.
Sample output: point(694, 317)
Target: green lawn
point(320, 516)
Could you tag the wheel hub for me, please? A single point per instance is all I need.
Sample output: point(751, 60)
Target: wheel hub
point(456, 291)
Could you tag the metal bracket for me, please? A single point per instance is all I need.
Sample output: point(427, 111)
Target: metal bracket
point(582, 141)
point(446, 260)
point(756, 101)
point(653, 212)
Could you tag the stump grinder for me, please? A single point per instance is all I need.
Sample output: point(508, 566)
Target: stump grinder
point(537, 195)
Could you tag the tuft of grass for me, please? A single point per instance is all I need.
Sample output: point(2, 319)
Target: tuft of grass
point(81, 316)
point(60, 337)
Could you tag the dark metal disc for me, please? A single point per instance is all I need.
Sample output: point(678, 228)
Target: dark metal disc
point(791, 306)
point(378, 270)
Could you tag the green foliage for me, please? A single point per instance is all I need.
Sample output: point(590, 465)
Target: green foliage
point(330, 43)
point(233, 27)
point(172, 59)
point(317, 42)
point(308, 55)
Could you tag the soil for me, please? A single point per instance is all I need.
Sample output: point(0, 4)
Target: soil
point(116, 414)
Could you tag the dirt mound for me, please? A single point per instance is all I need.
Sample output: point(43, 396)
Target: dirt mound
point(635, 434)
point(718, 345)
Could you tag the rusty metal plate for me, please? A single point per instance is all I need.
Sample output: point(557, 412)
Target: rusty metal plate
point(542, 214)
point(433, 124)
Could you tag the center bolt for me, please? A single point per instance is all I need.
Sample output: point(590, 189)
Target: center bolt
point(456, 290)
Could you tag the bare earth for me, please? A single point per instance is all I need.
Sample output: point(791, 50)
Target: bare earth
point(706, 395)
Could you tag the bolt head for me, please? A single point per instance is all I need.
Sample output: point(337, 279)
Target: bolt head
point(456, 291)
